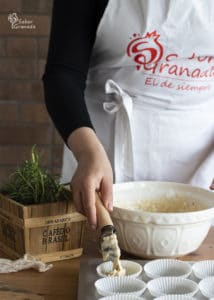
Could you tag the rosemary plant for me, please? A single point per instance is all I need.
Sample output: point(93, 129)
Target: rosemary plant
point(30, 184)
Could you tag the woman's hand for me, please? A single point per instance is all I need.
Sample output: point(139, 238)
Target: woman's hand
point(94, 173)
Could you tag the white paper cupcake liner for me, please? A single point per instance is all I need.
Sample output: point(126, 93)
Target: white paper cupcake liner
point(172, 285)
point(175, 297)
point(120, 285)
point(167, 267)
point(122, 297)
point(204, 268)
point(206, 287)
point(132, 268)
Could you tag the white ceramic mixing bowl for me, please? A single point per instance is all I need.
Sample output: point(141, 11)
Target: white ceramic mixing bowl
point(155, 234)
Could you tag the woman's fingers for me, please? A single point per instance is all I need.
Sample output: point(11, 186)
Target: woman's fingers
point(107, 193)
point(88, 200)
point(78, 201)
point(84, 200)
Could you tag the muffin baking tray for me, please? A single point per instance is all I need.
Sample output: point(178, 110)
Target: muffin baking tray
point(88, 276)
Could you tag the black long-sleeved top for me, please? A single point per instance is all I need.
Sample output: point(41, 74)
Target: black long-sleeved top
point(73, 32)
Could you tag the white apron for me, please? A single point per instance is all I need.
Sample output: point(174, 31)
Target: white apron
point(150, 90)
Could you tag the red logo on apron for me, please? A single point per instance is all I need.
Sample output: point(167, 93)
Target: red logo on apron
point(146, 50)
point(169, 68)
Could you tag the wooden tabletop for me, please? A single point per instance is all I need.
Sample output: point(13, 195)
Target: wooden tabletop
point(61, 282)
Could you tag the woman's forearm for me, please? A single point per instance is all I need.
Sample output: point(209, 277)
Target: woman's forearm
point(83, 141)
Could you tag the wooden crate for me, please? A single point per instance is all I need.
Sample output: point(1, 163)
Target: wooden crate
point(50, 232)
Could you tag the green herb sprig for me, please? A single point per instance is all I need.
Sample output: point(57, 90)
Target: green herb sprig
point(30, 184)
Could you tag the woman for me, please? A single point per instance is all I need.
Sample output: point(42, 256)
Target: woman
point(130, 87)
